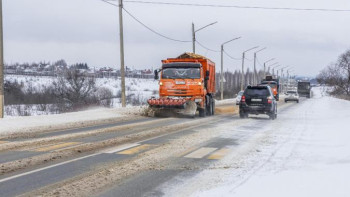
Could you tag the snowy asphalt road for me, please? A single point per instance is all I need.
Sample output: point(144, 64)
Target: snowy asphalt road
point(234, 133)
point(206, 143)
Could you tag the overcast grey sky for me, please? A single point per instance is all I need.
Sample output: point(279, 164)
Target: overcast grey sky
point(87, 31)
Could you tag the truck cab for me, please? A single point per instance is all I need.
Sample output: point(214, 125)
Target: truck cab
point(181, 80)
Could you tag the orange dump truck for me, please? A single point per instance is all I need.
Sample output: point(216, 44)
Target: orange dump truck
point(186, 84)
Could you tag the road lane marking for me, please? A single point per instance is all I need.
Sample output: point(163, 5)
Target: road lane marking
point(120, 148)
point(200, 153)
point(45, 168)
point(219, 153)
point(186, 152)
point(57, 146)
point(136, 149)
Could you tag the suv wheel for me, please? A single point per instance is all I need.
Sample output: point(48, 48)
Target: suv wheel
point(273, 115)
point(243, 115)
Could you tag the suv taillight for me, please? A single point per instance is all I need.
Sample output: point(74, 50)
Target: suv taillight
point(269, 100)
point(243, 99)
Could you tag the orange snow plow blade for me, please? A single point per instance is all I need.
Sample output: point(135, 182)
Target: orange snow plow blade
point(170, 107)
point(167, 103)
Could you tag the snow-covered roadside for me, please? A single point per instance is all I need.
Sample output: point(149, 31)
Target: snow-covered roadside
point(308, 155)
point(316, 163)
point(11, 125)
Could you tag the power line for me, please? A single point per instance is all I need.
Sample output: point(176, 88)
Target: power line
point(137, 20)
point(234, 58)
point(159, 34)
point(212, 50)
point(240, 7)
point(110, 3)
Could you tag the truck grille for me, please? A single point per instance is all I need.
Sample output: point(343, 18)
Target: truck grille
point(177, 91)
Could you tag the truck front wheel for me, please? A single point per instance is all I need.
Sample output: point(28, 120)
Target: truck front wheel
point(202, 112)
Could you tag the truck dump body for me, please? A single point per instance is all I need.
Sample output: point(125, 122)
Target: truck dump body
point(187, 81)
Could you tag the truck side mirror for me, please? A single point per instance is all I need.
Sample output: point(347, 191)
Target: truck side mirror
point(156, 76)
point(207, 73)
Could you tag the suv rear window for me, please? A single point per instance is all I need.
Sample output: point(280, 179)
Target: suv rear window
point(257, 91)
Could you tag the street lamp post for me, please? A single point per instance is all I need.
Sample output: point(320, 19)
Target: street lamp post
point(194, 34)
point(255, 73)
point(243, 57)
point(273, 70)
point(265, 65)
point(270, 66)
point(288, 74)
point(282, 78)
point(222, 67)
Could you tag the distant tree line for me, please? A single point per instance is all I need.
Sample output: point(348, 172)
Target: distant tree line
point(337, 76)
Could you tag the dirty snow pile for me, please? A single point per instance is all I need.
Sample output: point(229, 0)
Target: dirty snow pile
point(10, 125)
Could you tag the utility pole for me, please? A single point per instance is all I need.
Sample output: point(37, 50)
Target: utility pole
point(194, 35)
point(222, 67)
point(193, 39)
point(221, 73)
point(243, 57)
point(1, 65)
point(255, 73)
point(122, 67)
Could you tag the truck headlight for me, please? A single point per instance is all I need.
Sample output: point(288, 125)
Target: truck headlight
point(160, 83)
point(200, 83)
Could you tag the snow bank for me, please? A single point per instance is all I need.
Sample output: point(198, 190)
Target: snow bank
point(10, 125)
point(319, 161)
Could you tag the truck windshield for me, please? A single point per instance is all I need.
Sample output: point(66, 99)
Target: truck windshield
point(304, 86)
point(181, 73)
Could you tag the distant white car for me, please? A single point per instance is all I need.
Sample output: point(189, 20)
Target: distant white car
point(239, 96)
point(292, 95)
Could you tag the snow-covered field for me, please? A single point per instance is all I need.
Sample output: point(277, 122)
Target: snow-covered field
point(137, 89)
point(307, 155)
point(133, 85)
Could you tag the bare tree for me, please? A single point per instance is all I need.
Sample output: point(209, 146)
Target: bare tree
point(337, 75)
point(75, 88)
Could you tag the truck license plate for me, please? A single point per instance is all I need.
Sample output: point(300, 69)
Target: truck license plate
point(256, 100)
point(180, 82)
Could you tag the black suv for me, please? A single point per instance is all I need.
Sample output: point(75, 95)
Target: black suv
point(258, 100)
